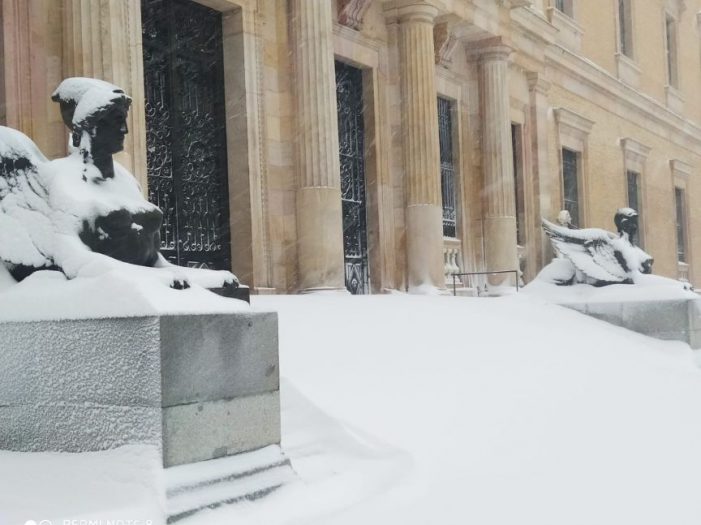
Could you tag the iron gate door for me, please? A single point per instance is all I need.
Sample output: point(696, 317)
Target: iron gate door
point(349, 95)
point(186, 130)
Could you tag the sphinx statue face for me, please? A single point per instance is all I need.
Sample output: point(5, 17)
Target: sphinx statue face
point(109, 130)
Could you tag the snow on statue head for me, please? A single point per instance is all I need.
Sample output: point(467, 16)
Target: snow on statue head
point(84, 214)
point(594, 256)
point(95, 111)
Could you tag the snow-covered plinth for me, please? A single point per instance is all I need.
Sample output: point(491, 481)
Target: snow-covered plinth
point(194, 386)
point(654, 306)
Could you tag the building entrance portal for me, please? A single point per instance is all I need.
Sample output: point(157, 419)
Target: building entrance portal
point(351, 136)
point(186, 130)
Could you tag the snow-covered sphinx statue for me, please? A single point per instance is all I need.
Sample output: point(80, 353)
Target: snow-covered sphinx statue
point(594, 256)
point(83, 214)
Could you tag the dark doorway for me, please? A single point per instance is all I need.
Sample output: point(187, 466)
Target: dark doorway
point(186, 131)
point(351, 137)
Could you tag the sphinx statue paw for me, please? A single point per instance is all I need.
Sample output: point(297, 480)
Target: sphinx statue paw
point(179, 284)
point(231, 282)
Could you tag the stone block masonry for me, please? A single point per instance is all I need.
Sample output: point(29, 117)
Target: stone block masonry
point(195, 386)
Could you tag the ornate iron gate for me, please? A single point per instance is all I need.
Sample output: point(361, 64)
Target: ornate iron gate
point(186, 130)
point(349, 94)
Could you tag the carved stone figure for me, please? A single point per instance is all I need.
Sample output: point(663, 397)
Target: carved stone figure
point(599, 257)
point(83, 214)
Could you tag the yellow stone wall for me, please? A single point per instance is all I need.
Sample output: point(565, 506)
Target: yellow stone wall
point(583, 77)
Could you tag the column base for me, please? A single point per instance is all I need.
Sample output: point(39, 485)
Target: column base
point(424, 246)
point(500, 248)
point(320, 239)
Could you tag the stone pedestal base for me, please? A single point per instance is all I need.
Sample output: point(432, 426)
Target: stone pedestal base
point(674, 319)
point(196, 386)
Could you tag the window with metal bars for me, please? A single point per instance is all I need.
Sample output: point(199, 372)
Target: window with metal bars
point(681, 224)
point(634, 201)
point(445, 139)
point(625, 28)
point(570, 183)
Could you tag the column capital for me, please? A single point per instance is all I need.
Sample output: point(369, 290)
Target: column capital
point(403, 11)
point(490, 50)
point(537, 83)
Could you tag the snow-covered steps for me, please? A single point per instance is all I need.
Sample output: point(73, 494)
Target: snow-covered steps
point(211, 484)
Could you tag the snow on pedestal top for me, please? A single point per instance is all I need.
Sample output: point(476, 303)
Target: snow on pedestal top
point(48, 295)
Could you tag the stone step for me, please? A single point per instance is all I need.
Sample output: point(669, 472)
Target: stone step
point(211, 484)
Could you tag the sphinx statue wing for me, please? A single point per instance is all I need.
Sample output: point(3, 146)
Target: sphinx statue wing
point(25, 224)
point(592, 251)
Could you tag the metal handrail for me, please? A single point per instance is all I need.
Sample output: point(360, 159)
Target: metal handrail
point(456, 275)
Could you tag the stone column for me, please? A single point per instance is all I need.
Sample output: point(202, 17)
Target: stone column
point(31, 42)
point(424, 213)
point(102, 39)
point(319, 222)
point(540, 248)
point(499, 203)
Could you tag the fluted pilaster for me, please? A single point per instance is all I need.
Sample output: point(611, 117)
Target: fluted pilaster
point(102, 39)
point(539, 252)
point(319, 221)
point(317, 143)
point(497, 155)
point(419, 106)
point(424, 226)
point(499, 200)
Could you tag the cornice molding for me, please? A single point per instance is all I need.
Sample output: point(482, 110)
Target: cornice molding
point(680, 168)
point(537, 83)
point(625, 100)
point(634, 151)
point(568, 118)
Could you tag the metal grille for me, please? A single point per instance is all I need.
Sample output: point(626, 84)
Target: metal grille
point(570, 184)
point(445, 139)
point(516, 149)
point(186, 130)
point(634, 200)
point(351, 136)
point(681, 224)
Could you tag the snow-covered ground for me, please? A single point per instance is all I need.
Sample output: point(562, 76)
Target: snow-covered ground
point(438, 410)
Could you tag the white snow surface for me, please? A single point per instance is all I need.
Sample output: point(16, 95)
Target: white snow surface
point(48, 295)
point(409, 410)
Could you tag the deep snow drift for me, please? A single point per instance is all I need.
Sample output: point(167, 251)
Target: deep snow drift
point(439, 410)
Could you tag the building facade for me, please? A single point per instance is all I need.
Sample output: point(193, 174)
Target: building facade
point(377, 145)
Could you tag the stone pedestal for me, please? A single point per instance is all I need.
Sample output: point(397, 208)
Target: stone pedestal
point(672, 319)
point(195, 386)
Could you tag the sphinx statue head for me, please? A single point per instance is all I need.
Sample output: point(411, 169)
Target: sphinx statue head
point(96, 113)
point(626, 221)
